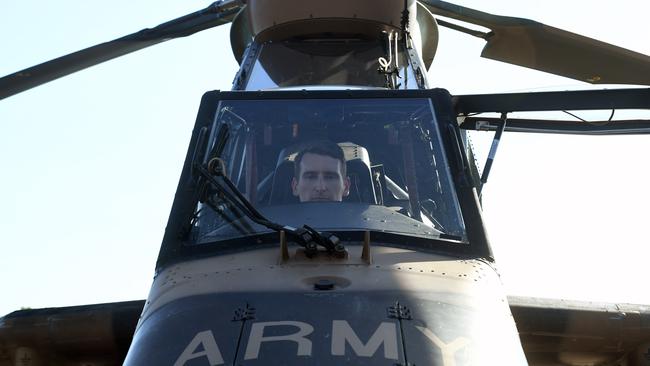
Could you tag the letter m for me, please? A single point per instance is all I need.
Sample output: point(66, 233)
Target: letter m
point(385, 334)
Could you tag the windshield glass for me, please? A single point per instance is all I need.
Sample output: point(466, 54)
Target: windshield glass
point(334, 164)
point(325, 62)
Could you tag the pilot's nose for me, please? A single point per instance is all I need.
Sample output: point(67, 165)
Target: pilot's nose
point(320, 185)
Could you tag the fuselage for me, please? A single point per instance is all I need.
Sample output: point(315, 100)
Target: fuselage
point(247, 308)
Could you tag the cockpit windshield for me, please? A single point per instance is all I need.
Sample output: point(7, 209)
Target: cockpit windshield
point(337, 165)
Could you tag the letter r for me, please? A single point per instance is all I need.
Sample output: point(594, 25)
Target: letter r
point(257, 337)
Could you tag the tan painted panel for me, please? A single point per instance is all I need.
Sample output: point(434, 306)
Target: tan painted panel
point(424, 31)
point(391, 269)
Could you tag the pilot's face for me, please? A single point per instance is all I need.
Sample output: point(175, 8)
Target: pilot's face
point(320, 179)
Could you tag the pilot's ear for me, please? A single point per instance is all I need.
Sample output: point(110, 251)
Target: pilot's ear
point(294, 185)
point(346, 186)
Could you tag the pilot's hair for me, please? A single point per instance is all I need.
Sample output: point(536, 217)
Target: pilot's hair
point(321, 147)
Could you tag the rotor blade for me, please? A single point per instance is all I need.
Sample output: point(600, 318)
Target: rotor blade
point(618, 127)
point(218, 13)
point(538, 46)
point(579, 100)
point(468, 106)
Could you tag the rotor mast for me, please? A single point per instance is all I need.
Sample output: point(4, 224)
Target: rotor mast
point(338, 43)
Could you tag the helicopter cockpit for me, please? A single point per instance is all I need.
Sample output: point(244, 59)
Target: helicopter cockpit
point(400, 180)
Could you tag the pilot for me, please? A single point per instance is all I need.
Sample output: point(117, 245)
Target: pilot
point(320, 173)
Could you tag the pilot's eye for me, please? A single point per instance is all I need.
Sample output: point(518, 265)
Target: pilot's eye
point(331, 176)
point(310, 175)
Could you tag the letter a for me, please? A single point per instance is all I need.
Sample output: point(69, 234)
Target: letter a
point(210, 350)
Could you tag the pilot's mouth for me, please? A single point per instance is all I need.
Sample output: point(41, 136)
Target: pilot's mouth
point(321, 199)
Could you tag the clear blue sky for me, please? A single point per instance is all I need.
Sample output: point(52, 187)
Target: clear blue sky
point(90, 162)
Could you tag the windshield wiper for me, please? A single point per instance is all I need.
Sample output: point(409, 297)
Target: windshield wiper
point(214, 177)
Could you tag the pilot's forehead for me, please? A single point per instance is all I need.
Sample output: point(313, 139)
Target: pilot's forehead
point(315, 162)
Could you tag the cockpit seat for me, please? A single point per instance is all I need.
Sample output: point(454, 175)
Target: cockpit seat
point(358, 169)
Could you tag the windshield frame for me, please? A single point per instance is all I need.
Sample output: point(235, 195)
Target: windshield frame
point(174, 247)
